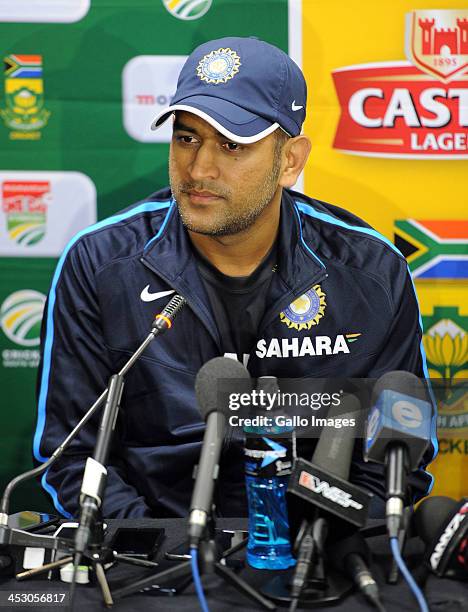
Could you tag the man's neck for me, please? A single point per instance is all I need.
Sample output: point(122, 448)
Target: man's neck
point(240, 254)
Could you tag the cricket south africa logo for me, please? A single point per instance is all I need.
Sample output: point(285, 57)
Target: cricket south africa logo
point(25, 204)
point(21, 315)
point(187, 9)
point(412, 109)
point(306, 310)
point(24, 113)
point(218, 66)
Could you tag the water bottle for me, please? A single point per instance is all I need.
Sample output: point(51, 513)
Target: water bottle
point(268, 463)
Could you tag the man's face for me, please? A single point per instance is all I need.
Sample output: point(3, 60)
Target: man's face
point(221, 187)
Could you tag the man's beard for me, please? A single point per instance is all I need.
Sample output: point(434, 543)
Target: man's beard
point(232, 222)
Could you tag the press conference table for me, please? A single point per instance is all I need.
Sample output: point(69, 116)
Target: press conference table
point(442, 594)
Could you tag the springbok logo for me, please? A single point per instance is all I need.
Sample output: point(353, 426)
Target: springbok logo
point(21, 315)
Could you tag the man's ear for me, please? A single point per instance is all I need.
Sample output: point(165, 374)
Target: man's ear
point(295, 153)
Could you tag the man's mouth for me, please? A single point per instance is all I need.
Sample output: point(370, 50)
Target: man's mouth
point(202, 196)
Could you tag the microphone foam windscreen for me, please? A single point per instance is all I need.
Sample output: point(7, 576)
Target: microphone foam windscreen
point(216, 380)
point(432, 514)
point(335, 446)
point(402, 382)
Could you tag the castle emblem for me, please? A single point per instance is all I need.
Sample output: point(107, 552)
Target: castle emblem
point(437, 42)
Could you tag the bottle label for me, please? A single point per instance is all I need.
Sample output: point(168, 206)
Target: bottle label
point(268, 457)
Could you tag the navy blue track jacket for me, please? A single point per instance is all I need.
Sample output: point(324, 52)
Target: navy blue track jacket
point(95, 318)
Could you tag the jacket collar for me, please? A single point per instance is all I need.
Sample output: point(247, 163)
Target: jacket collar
point(170, 252)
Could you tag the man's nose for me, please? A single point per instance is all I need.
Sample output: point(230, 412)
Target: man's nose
point(204, 164)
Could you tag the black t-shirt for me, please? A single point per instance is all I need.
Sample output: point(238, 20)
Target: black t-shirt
point(238, 302)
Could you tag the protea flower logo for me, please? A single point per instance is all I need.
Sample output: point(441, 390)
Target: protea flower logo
point(187, 9)
point(446, 345)
point(21, 315)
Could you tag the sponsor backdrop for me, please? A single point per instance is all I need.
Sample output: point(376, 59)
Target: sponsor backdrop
point(388, 116)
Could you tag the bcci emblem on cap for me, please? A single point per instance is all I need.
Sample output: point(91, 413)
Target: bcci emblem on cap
point(306, 310)
point(218, 66)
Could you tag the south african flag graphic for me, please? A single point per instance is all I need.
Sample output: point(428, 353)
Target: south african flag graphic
point(435, 249)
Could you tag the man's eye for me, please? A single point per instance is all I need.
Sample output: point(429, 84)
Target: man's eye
point(232, 146)
point(186, 139)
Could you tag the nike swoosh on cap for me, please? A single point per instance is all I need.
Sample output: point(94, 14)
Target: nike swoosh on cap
point(146, 296)
point(294, 107)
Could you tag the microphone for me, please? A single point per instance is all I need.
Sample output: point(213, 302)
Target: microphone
point(95, 474)
point(397, 434)
point(324, 481)
point(213, 384)
point(442, 524)
point(161, 323)
point(164, 319)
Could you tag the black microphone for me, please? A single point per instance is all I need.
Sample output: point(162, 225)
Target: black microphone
point(442, 523)
point(398, 432)
point(324, 481)
point(164, 319)
point(214, 382)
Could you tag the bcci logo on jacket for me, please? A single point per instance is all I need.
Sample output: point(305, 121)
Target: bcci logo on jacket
point(24, 114)
point(306, 310)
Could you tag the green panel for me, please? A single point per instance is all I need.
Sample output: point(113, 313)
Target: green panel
point(82, 67)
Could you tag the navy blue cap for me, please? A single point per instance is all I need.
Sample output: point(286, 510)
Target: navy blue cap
point(243, 87)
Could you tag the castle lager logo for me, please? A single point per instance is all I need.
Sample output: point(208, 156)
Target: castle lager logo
point(416, 109)
point(434, 249)
point(21, 315)
point(25, 113)
point(437, 42)
point(187, 9)
point(25, 206)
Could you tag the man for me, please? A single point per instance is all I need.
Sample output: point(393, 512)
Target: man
point(292, 286)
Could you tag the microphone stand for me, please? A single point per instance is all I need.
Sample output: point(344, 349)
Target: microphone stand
point(161, 323)
point(94, 550)
point(211, 563)
point(311, 583)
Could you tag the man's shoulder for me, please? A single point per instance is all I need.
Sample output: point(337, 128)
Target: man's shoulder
point(342, 237)
point(124, 233)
